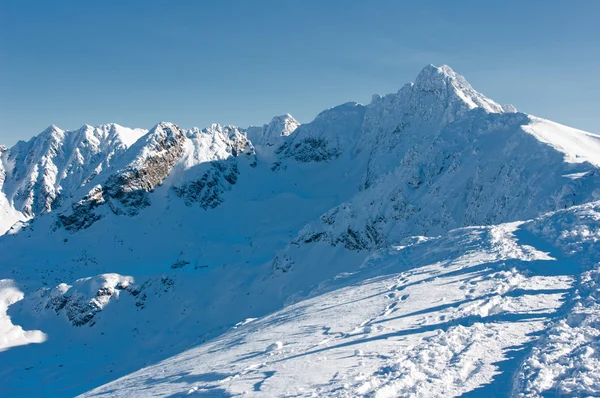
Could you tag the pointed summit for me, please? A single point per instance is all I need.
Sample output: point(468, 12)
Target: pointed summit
point(51, 131)
point(449, 85)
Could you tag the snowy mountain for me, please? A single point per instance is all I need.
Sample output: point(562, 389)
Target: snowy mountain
point(45, 171)
point(430, 243)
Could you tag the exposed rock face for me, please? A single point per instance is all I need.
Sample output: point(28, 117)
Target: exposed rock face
point(127, 190)
point(207, 191)
point(214, 164)
point(81, 301)
point(213, 152)
point(82, 215)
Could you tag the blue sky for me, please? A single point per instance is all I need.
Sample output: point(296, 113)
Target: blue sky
point(241, 62)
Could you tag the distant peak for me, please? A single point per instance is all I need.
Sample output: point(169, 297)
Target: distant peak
point(287, 116)
point(271, 133)
point(287, 122)
point(164, 126)
point(52, 128)
point(86, 127)
point(52, 133)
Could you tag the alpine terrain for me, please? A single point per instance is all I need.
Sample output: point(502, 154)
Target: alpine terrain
point(431, 243)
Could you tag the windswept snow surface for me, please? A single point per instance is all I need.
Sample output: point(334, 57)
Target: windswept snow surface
point(429, 243)
point(439, 317)
point(578, 146)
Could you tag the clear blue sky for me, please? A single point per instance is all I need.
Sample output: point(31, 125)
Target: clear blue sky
point(241, 62)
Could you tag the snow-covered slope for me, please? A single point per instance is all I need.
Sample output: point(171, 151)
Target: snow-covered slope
point(142, 245)
point(435, 317)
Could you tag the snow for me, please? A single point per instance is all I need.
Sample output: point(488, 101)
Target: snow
point(271, 134)
point(578, 146)
point(432, 319)
point(8, 215)
point(428, 243)
point(276, 346)
point(13, 335)
point(40, 174)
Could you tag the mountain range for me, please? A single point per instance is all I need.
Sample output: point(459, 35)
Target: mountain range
point(430, 243)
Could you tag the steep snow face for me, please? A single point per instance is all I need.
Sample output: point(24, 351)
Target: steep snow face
point(216, 143)
point(42, 173)
point(452, 88)
point(332, 133)
point(576, 145)
point(8, 214)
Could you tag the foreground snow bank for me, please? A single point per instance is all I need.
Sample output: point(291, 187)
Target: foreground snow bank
point(566, 361)
point(14, 335)
point(436, 317)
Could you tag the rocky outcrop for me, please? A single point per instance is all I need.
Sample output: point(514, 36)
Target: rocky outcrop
point(207, 191)
point(82, 213)
point(80, 302)
point(213, 165)
point(126, 191)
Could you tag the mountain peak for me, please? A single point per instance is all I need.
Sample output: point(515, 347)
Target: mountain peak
point(431, 74)
point(444, 81)
point(269, 134)
point(52, 127)
point(52, 131)
point(284, 124)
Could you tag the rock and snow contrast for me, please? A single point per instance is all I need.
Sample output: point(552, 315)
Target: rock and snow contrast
point(430, 243)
